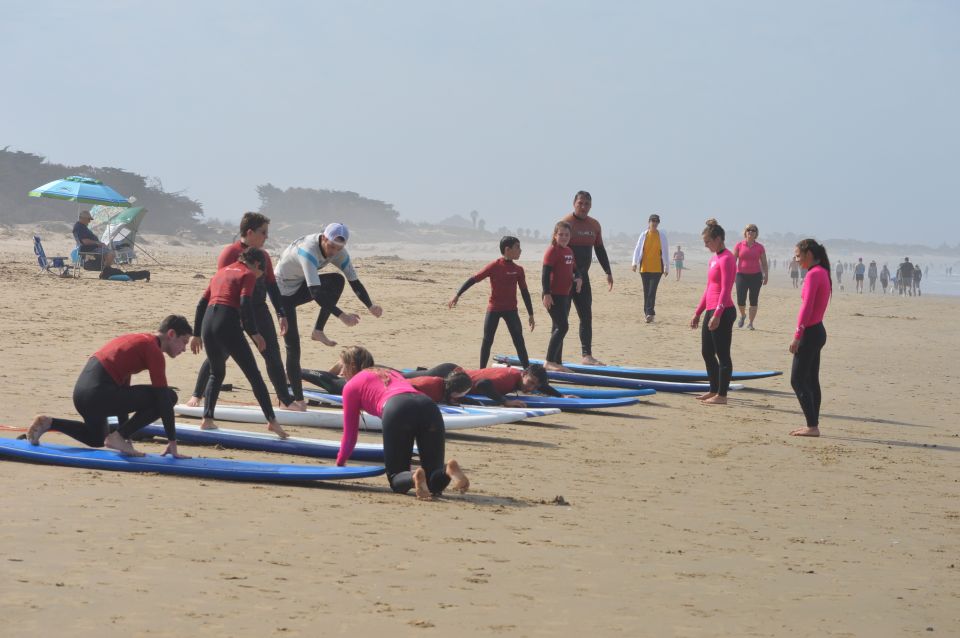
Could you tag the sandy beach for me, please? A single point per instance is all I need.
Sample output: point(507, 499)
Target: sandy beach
point(669, 518)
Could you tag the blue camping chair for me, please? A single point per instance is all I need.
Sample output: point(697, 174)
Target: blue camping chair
point(52, 265)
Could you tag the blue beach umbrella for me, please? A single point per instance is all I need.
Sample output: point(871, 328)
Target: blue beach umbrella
point(82, 190)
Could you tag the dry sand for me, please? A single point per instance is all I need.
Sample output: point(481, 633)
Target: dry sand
point(680, 519)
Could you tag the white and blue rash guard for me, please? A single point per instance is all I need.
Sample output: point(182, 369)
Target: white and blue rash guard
point(301, 263)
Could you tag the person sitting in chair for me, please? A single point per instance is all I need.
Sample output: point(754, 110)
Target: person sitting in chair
point(88, 243)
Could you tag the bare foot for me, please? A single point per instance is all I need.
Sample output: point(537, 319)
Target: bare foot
point(556, 367)
point(459, 482)
point(277, 429)
point(194, 402)
point(322, 338)
point(115, 441)
point(296, 406)
point(420, 485)
point(589, 360)
point(705, 396)
point(208, 424)
point(805, 432)
point(716, 400)
point(41, 423)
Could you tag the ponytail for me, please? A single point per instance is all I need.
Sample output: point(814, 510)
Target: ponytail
point(359, 358)
point(713, 230)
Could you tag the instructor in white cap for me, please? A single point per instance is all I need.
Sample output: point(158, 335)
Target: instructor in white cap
point(299, 279)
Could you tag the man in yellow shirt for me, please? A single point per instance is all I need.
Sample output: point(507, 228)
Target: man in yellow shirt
point(651, 256)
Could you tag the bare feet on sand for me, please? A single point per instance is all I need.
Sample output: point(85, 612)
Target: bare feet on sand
point(716, 400)
point(556, 367)
point(115, 441)
point(194, 402)
point(805, 431)
point(459, 480)
point(41, 423)
point(208, 424)
point(589, 360)
point(296, 406)
point(322, 338)
point(705, 396)
point(420, 485)
point(277, 429)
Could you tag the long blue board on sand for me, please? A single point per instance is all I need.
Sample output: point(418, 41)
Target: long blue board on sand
point(606, 393)
point(564, 403)
point(530, 412)
point(103, 459)
point(653, 374)
point(265, 442)
point(620, 382)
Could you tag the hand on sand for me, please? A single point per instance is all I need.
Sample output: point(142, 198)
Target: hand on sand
point(376, 310)
point(172, 451)
point(350, 319)
point(514, 403)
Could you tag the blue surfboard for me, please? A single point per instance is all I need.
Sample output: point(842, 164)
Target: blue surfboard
point(530, 412)
point(265, 442)
point(103, 459)
point(620, 382)
point(606, 393)
point(564, 403)
point(653, 374)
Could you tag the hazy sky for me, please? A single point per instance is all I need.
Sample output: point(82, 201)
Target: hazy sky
point(832, 118)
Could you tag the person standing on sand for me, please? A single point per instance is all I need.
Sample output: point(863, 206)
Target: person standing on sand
point(678, 261)
point(858, 271)
point(103, 390)
point(298, 276)
point(872, 275)
point(585, 239)
point(917, 276)
point(407, 417)
point(717, 333)
point(505, 277)
point(752, 272)
point(839, 272)
point(905, 277)
point(558, 279)
point(224, 312)
point(794, 272)
point(810, 336)
point(254, 230)
point(884, 278)
point(650, 257)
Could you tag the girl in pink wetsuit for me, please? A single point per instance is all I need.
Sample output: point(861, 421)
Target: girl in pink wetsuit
point(717, 333)
point(752, 272)
point(407, 416)
point(810, 336)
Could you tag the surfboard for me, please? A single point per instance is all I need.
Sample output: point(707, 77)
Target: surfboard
point(529, 412)
point(606, 393)
point(653, 374)
point(333, 418)
point(104, 459)
point(620, 382)
point(564, 403)
point(265, 442)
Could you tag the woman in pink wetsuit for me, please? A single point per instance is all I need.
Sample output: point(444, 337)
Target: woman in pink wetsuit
point(407, 416)
point(717, 333)
point(751, 272)
point(810, 336)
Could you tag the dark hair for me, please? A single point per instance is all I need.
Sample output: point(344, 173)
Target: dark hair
point(538, 372)
point(714, 230)
point(456, 381)
point(251, 255)
point(819, 253)
point(556, 229)
point(583, 194)
point(252, 221)
point(177, 323)
point(507, 241)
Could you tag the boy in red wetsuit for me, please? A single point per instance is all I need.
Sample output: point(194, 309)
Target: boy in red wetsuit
point(103, 390)
point(505, 277)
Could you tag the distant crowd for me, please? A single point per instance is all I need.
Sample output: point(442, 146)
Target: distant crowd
point(905, 280)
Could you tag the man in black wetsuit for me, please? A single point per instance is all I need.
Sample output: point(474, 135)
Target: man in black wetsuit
point(585, 238)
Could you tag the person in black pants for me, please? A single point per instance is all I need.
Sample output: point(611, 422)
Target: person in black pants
point(715, 349)
point(103, 390)
point(223, 313)
point(558, 278)
point(254, 231)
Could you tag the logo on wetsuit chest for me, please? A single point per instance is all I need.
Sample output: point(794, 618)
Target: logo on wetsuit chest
point(567, 259)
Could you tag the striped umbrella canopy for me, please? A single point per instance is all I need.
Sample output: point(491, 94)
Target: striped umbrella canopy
point(82, 190)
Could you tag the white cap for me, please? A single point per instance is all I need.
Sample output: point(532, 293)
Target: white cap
point(336, 232)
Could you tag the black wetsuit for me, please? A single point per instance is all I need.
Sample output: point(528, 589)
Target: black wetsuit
point(715, 348)
point(805, 372)
point(407, 419)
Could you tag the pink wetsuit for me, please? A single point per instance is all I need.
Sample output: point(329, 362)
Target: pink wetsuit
point(366, 391)
point(749, 257)
point(814, 299)
point(720, 277)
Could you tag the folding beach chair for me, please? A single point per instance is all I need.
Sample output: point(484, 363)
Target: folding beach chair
point(52, 265)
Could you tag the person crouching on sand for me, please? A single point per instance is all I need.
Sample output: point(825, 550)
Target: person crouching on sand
point(103, 390)
point(407, 417)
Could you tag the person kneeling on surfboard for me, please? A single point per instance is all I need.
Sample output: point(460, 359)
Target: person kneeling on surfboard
point(495, 383)
point(407, 416)
point(103, 390)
